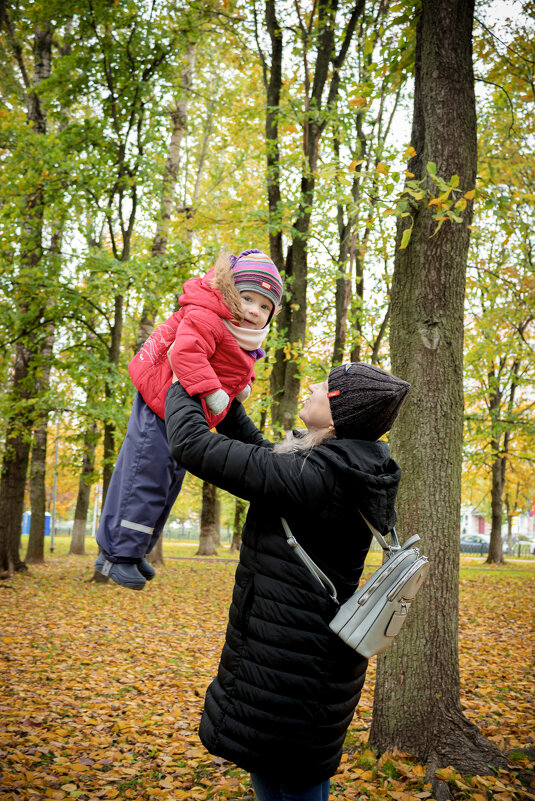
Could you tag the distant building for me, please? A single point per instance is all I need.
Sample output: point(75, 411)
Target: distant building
point(472, 521)
point(523, 526)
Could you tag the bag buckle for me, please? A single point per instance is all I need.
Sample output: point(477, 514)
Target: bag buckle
point(292, 541)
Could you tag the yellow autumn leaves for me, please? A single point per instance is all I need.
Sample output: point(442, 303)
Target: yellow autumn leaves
point(102, 688)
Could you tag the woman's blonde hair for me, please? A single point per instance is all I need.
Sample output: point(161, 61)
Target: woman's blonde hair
point(306, 442)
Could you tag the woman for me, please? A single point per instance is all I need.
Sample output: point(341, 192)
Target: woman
point(287, 687)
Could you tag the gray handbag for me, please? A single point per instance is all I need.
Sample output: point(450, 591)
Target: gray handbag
point(371, 618)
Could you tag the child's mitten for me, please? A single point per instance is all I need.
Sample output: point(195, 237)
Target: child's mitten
point(244, 394)
point(217, 401)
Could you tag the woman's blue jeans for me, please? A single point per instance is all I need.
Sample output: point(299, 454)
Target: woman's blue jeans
point(268, 791)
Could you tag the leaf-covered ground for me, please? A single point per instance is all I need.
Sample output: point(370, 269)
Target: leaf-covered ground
point(102, 687)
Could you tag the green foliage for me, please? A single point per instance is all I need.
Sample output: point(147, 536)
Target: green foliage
point(500, 329)
point(116, 77)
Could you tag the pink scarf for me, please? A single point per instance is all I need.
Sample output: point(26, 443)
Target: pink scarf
point(249, 339)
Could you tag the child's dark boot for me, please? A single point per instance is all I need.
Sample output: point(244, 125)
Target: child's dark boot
point(123, 573)
point(146, 569)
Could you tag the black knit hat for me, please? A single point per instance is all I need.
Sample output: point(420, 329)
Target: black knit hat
point(364, 400)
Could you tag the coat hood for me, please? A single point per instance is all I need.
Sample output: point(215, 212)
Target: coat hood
point(367, 472)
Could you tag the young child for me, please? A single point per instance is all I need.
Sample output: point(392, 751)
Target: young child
point(211, 345)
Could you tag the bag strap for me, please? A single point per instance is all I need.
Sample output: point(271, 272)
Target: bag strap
point(390, 549)
point(318, 572)
point(312, 566)
point(380, 539)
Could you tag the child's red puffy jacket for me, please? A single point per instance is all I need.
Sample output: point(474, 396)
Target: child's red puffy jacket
point(205, 356)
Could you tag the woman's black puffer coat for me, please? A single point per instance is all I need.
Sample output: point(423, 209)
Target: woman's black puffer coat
point(286, 687)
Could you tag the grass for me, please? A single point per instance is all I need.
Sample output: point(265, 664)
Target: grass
point(469, 564)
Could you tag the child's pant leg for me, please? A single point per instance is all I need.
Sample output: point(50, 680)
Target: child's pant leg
point(176, 486)
point(143, 487)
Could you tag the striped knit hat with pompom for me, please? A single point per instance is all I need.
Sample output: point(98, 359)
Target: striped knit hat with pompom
point(255, 271)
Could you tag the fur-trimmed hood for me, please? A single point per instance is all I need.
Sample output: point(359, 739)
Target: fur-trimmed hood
point(215, 291)
point(223, 280)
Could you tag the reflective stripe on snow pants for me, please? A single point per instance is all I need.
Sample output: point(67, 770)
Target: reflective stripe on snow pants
point(143, 488)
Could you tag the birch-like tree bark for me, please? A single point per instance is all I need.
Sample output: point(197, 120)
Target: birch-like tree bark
point(179, 118)
point(321, 91)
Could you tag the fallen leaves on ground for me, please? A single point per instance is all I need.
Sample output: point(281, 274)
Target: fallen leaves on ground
point(103, 689)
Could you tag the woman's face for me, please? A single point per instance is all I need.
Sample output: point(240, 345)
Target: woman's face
point(316, 411)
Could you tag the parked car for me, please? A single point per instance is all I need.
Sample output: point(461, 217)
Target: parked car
point(475, 543)
point(522, 546)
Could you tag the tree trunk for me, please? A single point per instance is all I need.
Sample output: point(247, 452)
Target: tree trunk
point(36, 543)
point(208, 521)
point(417, 697)
point(109, 455)
point(155, 557)
point(179, 117)
point(114, 353)
point(35, 552)
point(217, 513)
point(239, 514)
point(342, 295)
point(84, 491)
point(285, 379)
point(355, 355)
point(273, 86)
point(20, 423)
point(13, 481)
point(500, 453)
point(495, 555)
point(79, 528)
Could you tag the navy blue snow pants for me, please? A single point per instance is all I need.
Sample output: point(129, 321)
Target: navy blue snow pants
point(143, 488)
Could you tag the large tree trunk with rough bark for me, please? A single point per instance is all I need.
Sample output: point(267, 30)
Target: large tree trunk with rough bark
point(13, 481)
point(20, 422)
point(417, 697)
point(207, 534)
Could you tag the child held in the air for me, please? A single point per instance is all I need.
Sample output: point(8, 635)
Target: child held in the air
point(211, 345)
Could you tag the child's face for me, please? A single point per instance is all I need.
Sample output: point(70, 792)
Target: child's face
point(256, 309)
